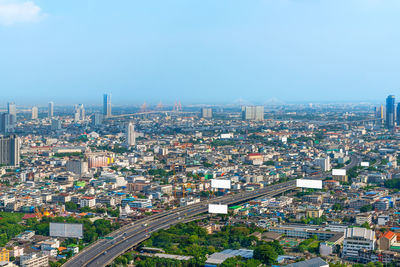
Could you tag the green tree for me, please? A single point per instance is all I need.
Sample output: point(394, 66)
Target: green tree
point(71, 206)
point(366, 208)
point(337, 207)
point(366, 225)
point(266, 254)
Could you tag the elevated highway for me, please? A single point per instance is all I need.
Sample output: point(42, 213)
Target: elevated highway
point(104, 251)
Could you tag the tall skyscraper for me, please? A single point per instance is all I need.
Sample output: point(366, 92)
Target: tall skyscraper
point(35, 113)
point(130, 135)
point(107, 105)
point(9, 150)
point(255, 113)
point(12, 110)
point(390, 112)
point(5, 123)
point(206, 113)
point(97, 119)
point(79, 114)
point(51, 110)
point(398, 114)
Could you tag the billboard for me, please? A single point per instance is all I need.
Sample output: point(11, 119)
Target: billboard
point(307, 183)
point(74, 230)
point(219, 183)
point(218, 209)
point(365, 164)
point(339, 172)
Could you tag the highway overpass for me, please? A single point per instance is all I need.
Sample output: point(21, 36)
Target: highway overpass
point(104, 251)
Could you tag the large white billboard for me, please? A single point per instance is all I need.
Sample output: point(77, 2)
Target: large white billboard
point(74, 230)
point(365, 164)
point(307, 183)
point(222, 184)
point(216, 208)
point(339, 172)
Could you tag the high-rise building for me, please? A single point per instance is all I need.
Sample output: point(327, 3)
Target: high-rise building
point(380, 112)
point(9, 150)
point(398, 114)
point(390, 112)
point(357, 239)
point(51, 110)
point(79, 114)
point(97, 119)
point(130, 135)
point(5, 123)
point(107, 105)
point(206, 113)
point(323, 163)
point(77, 166)
point(12, 110)
point(255, 113)
point(35, 113)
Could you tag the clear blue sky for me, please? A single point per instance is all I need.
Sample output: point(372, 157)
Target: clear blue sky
point(198, 51)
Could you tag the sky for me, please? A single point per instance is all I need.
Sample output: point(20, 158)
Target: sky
point(198, 51)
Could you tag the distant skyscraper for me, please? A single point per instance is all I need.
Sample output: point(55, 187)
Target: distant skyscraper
point(398, 114)
point(206, 113)
point(107, 105)
point(130, 135)
point(12, 110)
point(9, 150)
point(51, 110)
point(35, 113)
point(323, 163)
point(255, 113)
point(390, 112)
point(79, 114)
point(97, 119)
point(5, 123)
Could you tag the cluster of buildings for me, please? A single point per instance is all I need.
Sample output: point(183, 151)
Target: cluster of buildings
point(141, 165)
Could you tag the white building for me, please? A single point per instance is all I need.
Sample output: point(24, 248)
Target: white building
point(323, 163)
point(79, 114)
point(206, 113)
point(130, 135)
point(87, 202)
point(111, 178)
point(34, 260)
point(35, 113)
point(255, 113)
point(356, 239)
point(51, 110)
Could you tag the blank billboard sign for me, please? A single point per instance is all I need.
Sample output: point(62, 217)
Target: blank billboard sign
point(74, 230)
point(339, 172)
point(222, 184)
point(218, 209)
point(365, 164)
point(307, 183)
